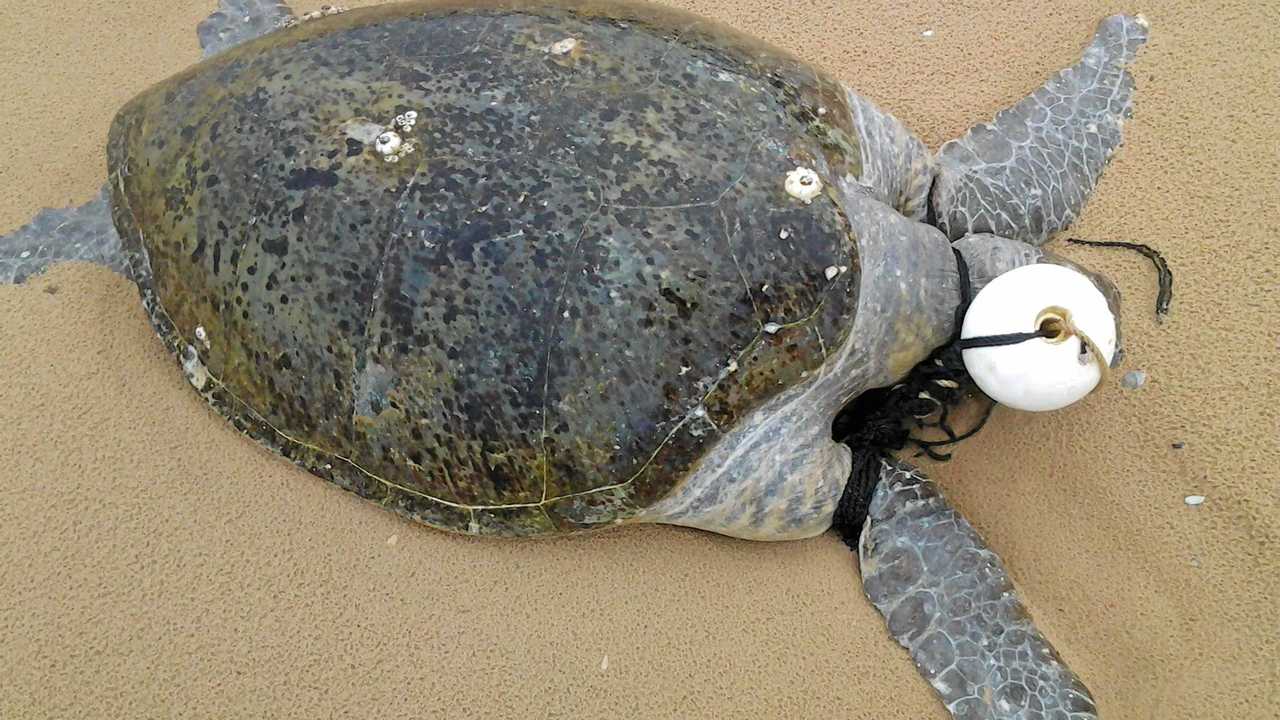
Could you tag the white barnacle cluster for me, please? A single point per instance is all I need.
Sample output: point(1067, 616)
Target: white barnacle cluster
point(563, 47)
point(406, 121)
point(803, 184)
point(324, 11)
point(388, 144)
point(194, 368)
point(700, 413)
point(391, 143)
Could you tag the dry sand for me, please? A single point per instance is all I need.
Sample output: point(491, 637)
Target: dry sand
point(154, 563)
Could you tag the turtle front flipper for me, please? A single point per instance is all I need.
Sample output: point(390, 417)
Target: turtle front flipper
point(1028, 174)
point(84, 233)
point(948, 599)
point(239, 21)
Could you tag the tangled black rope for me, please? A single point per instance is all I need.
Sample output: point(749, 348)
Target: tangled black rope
point(881, 421)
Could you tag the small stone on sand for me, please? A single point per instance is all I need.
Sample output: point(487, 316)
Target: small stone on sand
point(1193, 500)
point(1133, 380)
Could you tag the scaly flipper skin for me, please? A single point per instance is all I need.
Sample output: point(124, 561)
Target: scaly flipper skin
point(949, 600)
point(238, 21)
point(82, 233)
point(897, 168)
point(86, 233)
point(1029, 173)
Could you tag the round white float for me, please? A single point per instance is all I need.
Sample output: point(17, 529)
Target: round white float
point(1042, 373)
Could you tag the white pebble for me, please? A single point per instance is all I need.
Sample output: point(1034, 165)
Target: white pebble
point(927, 33)
point(772, 327)
point(1193, 500)
point(831, 272)
point(604, 663)
point(784, 233)
point(1133, 380)
point(392, 540)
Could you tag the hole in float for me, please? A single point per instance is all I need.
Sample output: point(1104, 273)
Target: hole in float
point(1055, 322)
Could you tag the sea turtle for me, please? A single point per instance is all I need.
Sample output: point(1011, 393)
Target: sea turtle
point(529, 267)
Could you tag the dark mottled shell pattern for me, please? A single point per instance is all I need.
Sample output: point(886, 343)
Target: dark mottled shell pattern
point(541, 319)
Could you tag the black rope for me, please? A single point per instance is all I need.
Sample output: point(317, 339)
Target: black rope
point(1164, 297)
point(855, 502)
point(881, 421)
point(1000, 340)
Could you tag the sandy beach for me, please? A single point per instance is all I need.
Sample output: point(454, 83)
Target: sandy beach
point(155, 563)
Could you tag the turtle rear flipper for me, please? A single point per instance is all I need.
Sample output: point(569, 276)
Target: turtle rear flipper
point(1028, 174)
point(84, 233)
point(238, 21)
point(948, 599)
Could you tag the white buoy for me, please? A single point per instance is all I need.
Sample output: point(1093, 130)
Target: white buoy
point(1042, 373)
